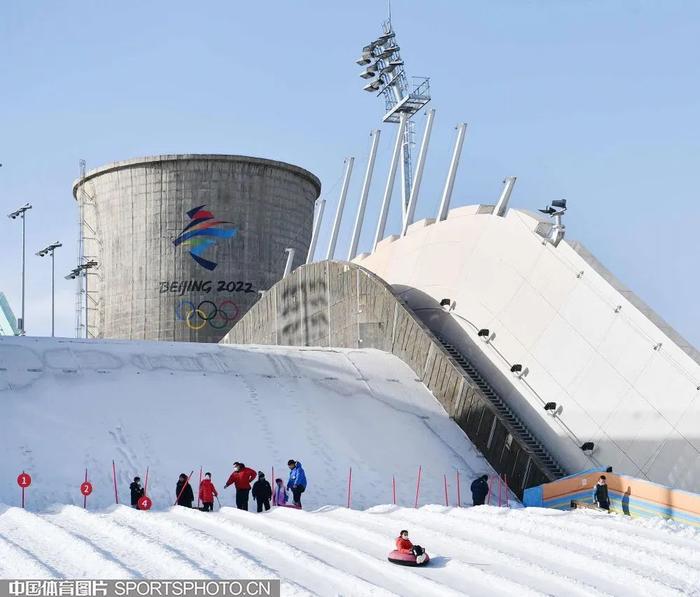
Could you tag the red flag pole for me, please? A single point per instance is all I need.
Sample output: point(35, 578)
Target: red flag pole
point(114, 477)
point(349, 485)
point(447, 501)
point(177, 499)
point(84, 496)
point(459, 496)
point(200, 486)
point(420, 471)
point(393, 487)
point(22, 493)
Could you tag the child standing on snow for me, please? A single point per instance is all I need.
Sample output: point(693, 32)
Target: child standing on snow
point(136, 492)
point(207, 492)
point(262, 492)
point(280, 493)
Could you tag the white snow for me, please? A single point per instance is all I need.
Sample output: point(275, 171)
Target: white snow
point(71, 404)
point(173, 407)
point(335, 551)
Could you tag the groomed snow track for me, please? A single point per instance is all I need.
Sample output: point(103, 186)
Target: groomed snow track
point(336, 551)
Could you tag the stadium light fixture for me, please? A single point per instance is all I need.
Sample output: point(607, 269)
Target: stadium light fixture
point(402, 99)
point(369, 72)
point(49, 251)
point(83, 269)
point(391, 67)
point(20, 213)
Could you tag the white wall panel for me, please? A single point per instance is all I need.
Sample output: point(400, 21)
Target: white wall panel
point(553, 310)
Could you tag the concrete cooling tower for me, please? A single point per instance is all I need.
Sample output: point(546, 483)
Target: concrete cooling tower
point(184, 243)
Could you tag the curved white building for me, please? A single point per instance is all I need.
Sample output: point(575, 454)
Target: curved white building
point(620, 377)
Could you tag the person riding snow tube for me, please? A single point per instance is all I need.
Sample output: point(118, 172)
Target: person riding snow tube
point(407, 554)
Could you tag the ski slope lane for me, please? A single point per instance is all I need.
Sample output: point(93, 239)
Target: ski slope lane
point(484, 551)
point(167, 408)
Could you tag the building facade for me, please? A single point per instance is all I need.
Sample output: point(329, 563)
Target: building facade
point(185, 243)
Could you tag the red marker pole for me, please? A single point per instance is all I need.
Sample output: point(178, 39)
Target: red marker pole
point(349, 485)
point(85, 489)
point(459, 496)
point(393, 487)
point(420, 472)
point(183, 488)
point(200, 486)
point(24, 480)
point(447, 501)
point(114, 477)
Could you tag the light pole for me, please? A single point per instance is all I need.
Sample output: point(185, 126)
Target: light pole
point(49, 251)
point(83, 270)
point(19, 213)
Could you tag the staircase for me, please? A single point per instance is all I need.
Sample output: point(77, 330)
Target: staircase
point(505, 413)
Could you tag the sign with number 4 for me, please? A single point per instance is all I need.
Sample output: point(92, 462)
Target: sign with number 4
point(145, 503)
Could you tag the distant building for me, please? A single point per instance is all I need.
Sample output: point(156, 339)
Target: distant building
point(8, 321)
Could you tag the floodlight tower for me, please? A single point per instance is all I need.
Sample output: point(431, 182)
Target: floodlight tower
point(402, 99)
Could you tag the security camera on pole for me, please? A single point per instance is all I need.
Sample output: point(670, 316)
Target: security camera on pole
point(20, 213)
point(556, 210)
point(49, 251)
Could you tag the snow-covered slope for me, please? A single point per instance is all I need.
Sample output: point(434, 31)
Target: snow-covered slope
point(70, 404)
point(334, 551)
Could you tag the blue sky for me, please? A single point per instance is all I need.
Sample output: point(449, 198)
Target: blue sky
point(591, 100)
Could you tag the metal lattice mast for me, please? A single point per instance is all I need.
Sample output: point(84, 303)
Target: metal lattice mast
point(81, 259)
point(385, 67)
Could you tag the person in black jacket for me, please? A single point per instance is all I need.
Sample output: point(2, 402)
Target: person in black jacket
point(600, 495)
point(262, 492)
point(480, 489)
point(136, 492)
point(183, 492)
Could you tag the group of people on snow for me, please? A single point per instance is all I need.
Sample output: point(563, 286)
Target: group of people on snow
point(241, 478)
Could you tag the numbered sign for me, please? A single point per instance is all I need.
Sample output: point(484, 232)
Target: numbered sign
point(144, 503)
point(86, 488)
point(24, 480)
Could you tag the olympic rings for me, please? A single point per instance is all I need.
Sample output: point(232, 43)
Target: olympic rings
point(207, 312)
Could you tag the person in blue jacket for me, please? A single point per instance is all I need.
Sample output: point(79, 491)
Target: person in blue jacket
point(297, 481)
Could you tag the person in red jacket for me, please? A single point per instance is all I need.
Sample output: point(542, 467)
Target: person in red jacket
point(207, 492)
point(241, 478)
point(404, 545)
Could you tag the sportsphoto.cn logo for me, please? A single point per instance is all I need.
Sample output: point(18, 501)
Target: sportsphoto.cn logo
point(201, 233)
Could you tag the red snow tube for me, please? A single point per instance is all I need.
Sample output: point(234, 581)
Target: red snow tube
point(406, 559)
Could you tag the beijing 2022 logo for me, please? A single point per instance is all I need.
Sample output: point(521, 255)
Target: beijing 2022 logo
point(201, 233)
